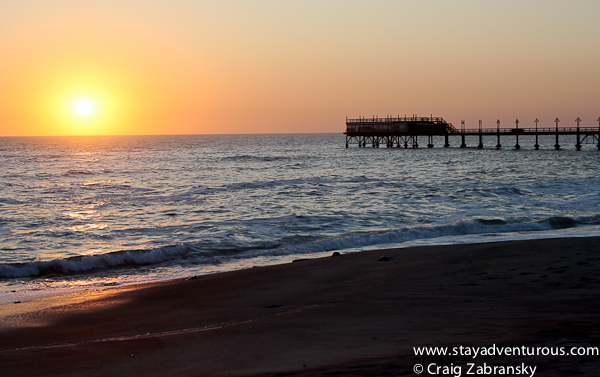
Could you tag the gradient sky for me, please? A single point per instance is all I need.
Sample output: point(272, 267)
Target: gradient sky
point(277, 66)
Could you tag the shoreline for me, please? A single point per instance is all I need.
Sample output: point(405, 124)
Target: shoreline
point(26, 294)
point(341, 315)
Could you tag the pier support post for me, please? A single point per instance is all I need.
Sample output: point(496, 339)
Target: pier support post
point(536, 146)
point(578, 145)
point(462, 134)
point(498, 145)
point(447, 144)
point(480, 146)
point(598, 133)
point(556, 145)
point(430, 144)
point(517, 146)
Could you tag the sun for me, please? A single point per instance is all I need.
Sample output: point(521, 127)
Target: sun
point(84, 107)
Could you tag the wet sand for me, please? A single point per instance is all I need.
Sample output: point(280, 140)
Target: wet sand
point(349, 315)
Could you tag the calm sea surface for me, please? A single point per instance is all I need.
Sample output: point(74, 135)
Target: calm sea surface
point(87, 212)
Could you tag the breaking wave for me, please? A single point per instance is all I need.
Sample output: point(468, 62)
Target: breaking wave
point(194, 253)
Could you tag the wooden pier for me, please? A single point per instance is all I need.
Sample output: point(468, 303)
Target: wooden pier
point(404, 132)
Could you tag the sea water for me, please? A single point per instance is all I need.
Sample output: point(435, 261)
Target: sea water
point(82, 213)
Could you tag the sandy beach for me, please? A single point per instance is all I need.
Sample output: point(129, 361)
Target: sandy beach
point(356, 314)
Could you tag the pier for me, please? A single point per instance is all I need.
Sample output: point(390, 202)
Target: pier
point(405, 132)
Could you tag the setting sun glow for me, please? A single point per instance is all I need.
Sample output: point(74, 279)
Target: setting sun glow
point(84, 108)
point(236, 67)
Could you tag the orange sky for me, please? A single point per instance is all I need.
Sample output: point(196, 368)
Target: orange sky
point(192, 67)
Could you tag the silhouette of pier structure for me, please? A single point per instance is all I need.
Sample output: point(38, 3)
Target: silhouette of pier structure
point(404, 132)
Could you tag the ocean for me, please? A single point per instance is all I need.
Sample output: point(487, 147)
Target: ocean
point(79, 213)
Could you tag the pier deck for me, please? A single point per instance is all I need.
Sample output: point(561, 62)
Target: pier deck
point(404, 132)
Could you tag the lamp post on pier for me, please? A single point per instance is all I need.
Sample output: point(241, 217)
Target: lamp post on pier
point(578, 145)
point(598, 133)
point(556, 146)
point(498, 146)
point(536, 146)
point(480, 146)
point(517, 146)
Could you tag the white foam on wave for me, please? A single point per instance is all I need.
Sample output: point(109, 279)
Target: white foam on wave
point(444, 235)
point(91, 262)
point(194, 254)
point(458, 228)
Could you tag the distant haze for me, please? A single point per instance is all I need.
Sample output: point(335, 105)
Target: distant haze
point(195, 67)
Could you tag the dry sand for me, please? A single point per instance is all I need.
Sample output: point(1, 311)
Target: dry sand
point(351, 315)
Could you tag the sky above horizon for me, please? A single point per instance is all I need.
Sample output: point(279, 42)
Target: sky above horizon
point(76, 67)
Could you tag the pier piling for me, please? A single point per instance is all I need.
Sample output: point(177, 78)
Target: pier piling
point(516, 131)
point(480, 146)
point(578, 144)
point(556, 145)
point(498, 145)
point(536, 146)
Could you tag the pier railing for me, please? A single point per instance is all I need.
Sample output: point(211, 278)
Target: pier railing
point(375, 128)
point(562, 130)
point(395, 119)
